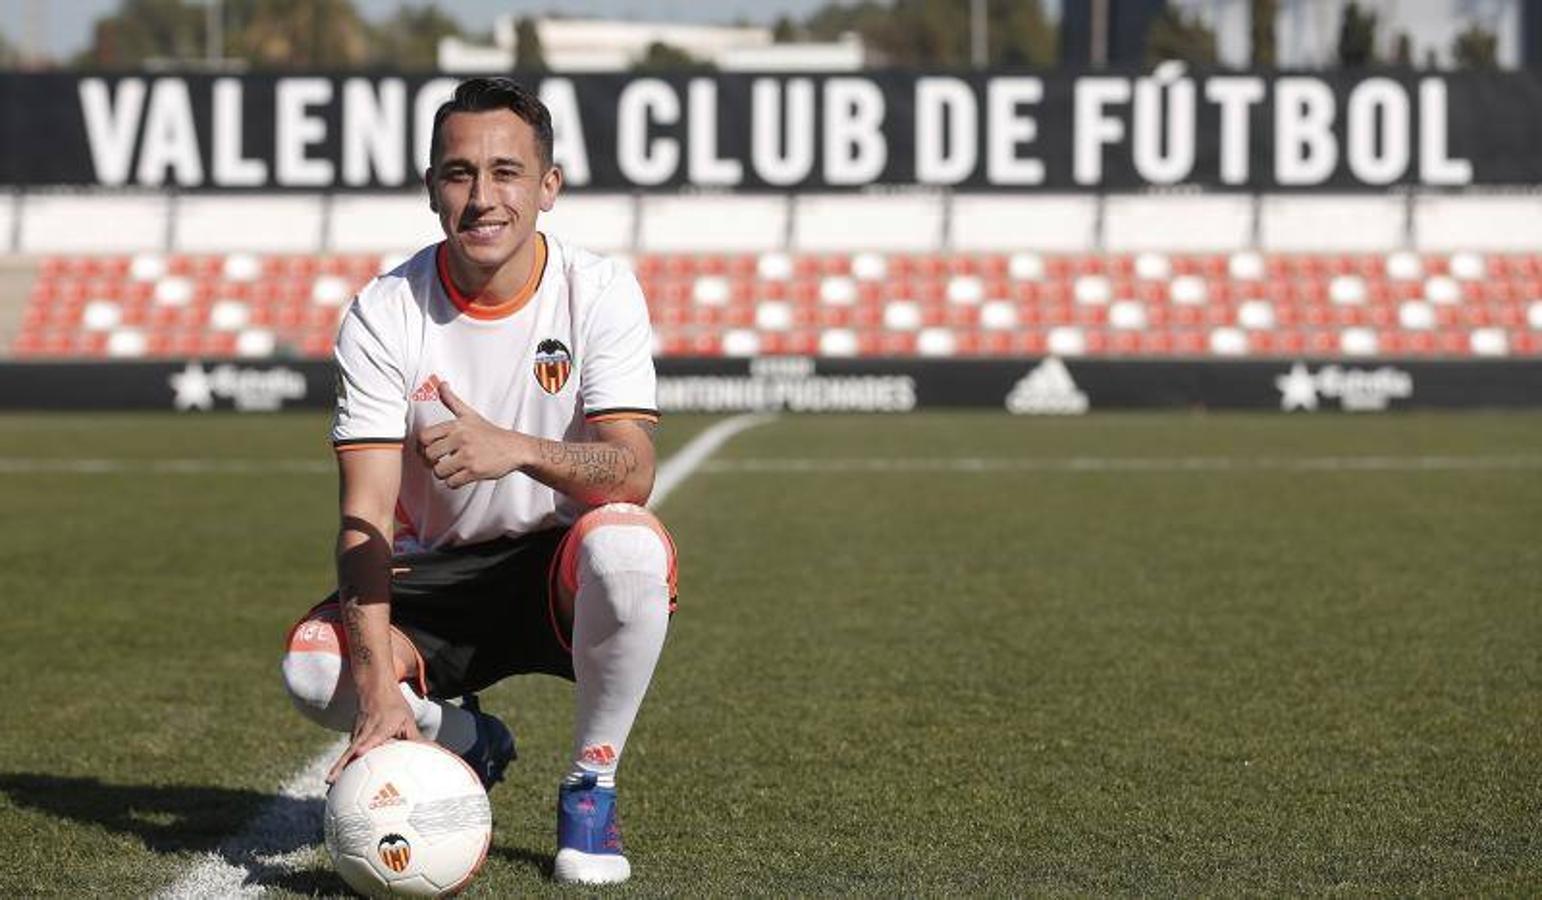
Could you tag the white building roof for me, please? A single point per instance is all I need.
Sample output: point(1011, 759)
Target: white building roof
point(604, 45)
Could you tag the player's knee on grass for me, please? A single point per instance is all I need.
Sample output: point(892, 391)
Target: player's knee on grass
point(315, 671)
point(619, 541)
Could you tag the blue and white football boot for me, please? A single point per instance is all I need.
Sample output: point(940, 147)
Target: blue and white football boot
point(589, 835)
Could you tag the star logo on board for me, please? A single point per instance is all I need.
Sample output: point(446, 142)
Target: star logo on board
point(194, 389)
point(1298, 389)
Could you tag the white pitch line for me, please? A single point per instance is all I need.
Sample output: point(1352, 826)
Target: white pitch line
point(11, 465)
point(270, 844)
point(673, 471)
point(713, 437)
point(278, 839)
point(1127, 464)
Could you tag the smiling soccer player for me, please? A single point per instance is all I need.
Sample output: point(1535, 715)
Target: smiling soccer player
point(495, 413)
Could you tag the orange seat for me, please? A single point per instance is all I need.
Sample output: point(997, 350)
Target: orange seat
point(648, 266)
point(743, 266)
point(316, 346)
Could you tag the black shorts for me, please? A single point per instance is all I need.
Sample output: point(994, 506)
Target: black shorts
point(481, 612)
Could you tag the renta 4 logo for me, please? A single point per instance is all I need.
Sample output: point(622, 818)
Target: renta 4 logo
point(247, 389)
point(1356, 390)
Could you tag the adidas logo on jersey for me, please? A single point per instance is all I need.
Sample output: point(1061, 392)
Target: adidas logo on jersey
point(428, 391)
point(387, 796)
point(1047, 390)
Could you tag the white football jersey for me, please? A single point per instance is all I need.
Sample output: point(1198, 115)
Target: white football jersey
point(572, 348)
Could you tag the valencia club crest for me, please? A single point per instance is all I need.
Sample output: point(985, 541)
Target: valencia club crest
point(553, 363)
point(395, 852)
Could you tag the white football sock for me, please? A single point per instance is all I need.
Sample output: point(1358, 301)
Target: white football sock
point(322, 688)
point(445, 724)
point(620, 618)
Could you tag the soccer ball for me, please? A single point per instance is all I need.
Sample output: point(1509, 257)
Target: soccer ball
point(407, 819)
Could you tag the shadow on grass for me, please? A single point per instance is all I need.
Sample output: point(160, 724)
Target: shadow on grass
point(542, 863)
point(247, 829)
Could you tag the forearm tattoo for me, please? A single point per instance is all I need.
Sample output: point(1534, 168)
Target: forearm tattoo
point(353, 622)
point(591, 465)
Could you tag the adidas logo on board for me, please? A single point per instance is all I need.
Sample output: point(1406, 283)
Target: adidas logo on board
point(1047, 390)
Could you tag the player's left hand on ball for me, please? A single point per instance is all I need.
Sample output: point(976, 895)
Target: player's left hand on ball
point(375, 724)
point(468, 447)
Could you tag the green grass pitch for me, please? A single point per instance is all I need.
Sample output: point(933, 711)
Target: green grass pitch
point(939, 654)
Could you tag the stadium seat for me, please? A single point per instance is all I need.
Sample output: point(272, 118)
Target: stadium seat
point(1150, 303)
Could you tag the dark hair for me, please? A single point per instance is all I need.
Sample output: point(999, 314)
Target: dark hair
point(498, 92)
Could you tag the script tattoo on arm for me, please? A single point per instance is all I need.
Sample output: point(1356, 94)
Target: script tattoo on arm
point(353, 621)
point(592, 465)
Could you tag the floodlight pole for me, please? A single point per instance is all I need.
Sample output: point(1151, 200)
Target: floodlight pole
point(977, 25)
point(36, 39)
point(214, 27)
point(1099, 55)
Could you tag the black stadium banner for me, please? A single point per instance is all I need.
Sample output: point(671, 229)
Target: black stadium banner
point(1041, 386)
point(990, 131)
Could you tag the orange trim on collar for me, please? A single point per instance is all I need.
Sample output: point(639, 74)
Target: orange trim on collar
point(498, 310)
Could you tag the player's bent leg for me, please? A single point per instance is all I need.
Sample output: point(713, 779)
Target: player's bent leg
point(317, 679)
point(619, 565)
point(315, 668)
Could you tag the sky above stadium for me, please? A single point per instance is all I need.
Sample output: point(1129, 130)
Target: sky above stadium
point(66, 26)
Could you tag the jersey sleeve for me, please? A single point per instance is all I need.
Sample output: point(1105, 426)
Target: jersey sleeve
point(371, 387)
point(617, 364)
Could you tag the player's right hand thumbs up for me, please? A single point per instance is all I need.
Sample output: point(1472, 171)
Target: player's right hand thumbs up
point(468, 448)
